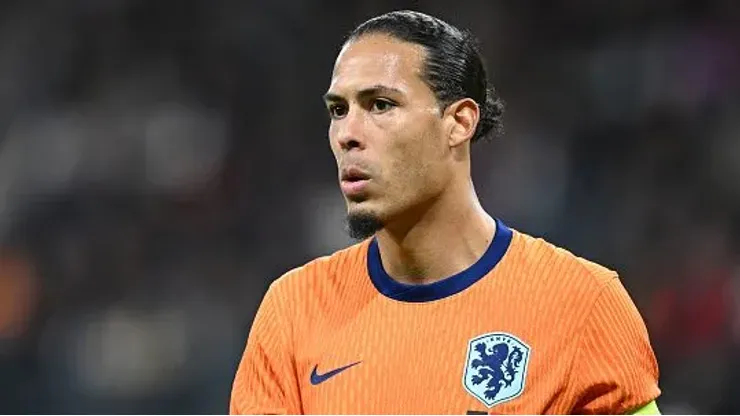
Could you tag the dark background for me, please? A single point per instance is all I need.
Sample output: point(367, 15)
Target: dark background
point(161, 162)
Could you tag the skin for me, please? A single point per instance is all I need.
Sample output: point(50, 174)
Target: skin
point(387, 123)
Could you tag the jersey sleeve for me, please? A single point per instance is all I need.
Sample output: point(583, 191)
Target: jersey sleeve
point(614, 369)
point(266, 382)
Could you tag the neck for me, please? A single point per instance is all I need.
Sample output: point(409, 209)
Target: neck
point(437, 241)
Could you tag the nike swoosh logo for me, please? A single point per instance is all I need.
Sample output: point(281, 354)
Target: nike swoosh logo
point(317, 378)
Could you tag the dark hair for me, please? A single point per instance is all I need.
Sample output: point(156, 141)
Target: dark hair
point(453, 67)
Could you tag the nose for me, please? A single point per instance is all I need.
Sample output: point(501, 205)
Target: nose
point(350, 130)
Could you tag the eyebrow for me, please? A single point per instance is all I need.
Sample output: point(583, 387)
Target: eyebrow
point(377, 89)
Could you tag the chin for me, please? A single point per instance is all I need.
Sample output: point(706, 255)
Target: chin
point(363, 221)
point(362, 209)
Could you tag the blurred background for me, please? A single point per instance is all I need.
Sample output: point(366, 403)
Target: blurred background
point(162, 162)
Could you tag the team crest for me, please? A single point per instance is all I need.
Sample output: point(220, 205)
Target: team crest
point(496, 367)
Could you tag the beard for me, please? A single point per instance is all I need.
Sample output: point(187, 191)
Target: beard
point(363, 225)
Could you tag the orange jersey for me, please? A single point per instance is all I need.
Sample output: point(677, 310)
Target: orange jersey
point(529, 328)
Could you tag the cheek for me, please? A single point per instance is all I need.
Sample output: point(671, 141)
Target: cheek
point(332, 142)
point(416, 165)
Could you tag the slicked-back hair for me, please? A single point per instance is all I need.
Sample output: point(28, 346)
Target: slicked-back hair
point(453, 66)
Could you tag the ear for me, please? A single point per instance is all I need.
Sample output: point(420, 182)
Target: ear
point(461, 119)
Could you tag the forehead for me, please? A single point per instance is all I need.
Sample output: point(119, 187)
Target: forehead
point(378, 60)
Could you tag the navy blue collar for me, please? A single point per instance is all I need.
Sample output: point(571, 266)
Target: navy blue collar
point(441, 288)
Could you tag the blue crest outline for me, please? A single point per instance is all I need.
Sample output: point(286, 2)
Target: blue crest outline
point(524, 368)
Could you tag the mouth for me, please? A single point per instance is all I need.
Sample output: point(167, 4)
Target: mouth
point(353, 182)
point(354, 175)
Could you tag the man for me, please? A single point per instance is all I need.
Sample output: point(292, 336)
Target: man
point(441, 309)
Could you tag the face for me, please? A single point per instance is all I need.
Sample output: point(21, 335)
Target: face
point(387, 132)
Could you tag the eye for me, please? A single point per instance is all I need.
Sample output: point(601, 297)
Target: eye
point(337, 111)
point(381, 106)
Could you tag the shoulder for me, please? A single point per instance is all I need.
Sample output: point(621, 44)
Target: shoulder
point(303, 297)
point(574, 289)
point(562, 283)
point(554, 265)
point(321, 271)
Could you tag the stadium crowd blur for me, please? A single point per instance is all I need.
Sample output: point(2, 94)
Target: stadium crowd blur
point(162, 162)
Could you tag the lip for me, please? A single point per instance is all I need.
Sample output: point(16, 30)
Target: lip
point(354, 188)
point(353, 174)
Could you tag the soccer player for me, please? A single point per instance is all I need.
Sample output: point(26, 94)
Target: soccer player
point(441, 308)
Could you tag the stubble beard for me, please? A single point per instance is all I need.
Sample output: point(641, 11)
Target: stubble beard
point(363, 225)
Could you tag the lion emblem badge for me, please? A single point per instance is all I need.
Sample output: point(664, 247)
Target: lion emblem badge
point(496, 367)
